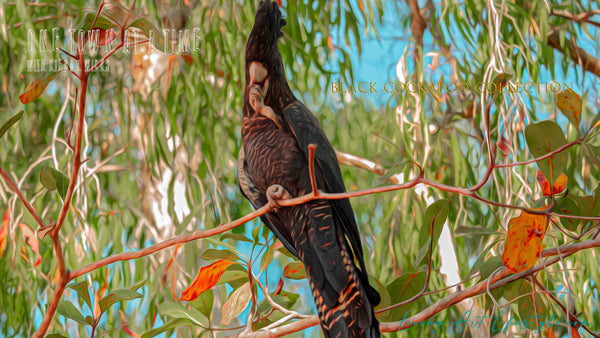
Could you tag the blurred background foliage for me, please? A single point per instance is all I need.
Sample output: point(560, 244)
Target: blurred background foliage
point(163, 134)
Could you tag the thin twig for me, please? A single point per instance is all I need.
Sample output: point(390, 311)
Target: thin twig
point(311, 168)
point(21, 197)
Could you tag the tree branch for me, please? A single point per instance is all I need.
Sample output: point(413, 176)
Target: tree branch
point(577, 54)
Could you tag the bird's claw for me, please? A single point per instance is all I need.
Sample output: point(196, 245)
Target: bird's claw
point(276, 193)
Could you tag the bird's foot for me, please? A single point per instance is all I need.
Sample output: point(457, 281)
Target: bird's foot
point(276, 193)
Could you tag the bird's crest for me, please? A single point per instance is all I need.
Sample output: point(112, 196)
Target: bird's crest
point(262, 42)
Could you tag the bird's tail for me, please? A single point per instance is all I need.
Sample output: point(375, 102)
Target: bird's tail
point(342, 293)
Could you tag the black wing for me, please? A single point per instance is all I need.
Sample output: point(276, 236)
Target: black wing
point(258, 200)
point(307, 129)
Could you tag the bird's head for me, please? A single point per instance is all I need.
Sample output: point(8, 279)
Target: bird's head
point(263, 61)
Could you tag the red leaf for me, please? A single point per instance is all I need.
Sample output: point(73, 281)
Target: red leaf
point(279, 287)
point(544, 184)
point(503, 146)
point(32, 240)
point(206, 278)
point(36, 88)
point(4, 232)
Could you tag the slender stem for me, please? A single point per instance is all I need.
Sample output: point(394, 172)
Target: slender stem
point(550, 154)
point(311, 168)
point(83, 77)
point(21, 197)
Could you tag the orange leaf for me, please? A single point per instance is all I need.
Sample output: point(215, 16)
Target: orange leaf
point(560, 184)
point(4, 232)
point(524, 243)
point(36, 88)
point(187, 58)
point(207, 277)
point(558, 187)
point(574, 332)
point(294, 270)
point(32, 240)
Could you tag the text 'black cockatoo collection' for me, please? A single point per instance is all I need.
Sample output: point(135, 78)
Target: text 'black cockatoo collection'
point(273, 164)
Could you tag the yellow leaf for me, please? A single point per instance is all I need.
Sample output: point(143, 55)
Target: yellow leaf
point(236, 303)
point(524, 242)
point(206, 278)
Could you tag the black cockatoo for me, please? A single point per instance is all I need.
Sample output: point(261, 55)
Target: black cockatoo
point(273, 164)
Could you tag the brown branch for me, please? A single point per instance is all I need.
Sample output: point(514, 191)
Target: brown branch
point(550, 154)
point(39, 333)
point(21, 197)
point(168, 243)
point(355, 161)
point(579, 55)
point(581, 17)
point(54, 229)
point(496, 280)
point(417, 24)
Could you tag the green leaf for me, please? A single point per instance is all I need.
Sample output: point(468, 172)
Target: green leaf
point(138, 285)
point(56, 335)
point(172, 324)
point(236, 303)
point(255, 233)
point(569, 104)
point(490, 266)
point(210, 254)
point(204, 303)
point(592, 153)
point(151, 32)
point(11, 121)
point(177, 310)
point(474, 231)
point(53, 179)
point(267, 258)
point(117, 296)
point(68, 310)
point(568, 206)
point(403, 288)
point(543, 138)
point(235, 272)
point(88, 19)
point(82, 289)
point(435, 214)
point(235, 237)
